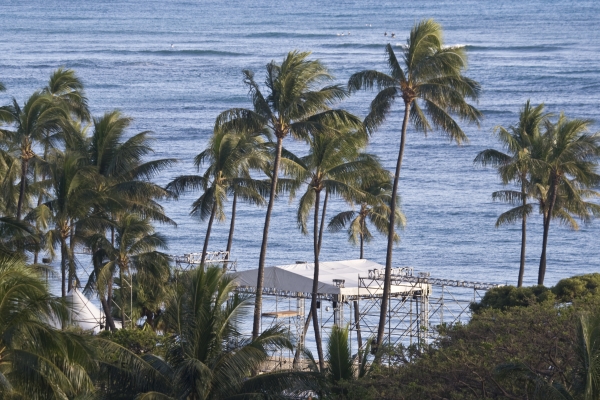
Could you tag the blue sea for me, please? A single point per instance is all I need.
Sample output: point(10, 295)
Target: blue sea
point(174, 65)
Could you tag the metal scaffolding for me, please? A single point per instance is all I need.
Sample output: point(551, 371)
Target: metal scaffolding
point(417, 306)
point(190, 261)
point(414, 317)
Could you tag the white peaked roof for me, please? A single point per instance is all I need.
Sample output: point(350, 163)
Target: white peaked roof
point(299, 277)
point(84, 313)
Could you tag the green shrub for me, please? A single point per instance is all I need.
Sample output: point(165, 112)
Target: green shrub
point(506, 297)
point(577, 287)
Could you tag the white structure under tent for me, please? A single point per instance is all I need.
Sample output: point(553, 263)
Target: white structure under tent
point(85, 314)
point(350, 293)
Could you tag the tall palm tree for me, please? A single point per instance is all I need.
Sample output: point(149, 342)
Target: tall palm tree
point(378, 213)
point(73, 193)
point(36, 360)
point(135, 250)
point(335, 165)
point(430, 83)
point(206, 358)
point(123, 180)
point(516, 166)
point(229, 157)
point(31, 123)
point(297, 104)
point(567, 165)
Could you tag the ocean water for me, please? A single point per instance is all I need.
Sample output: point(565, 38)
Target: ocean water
point(175, 65)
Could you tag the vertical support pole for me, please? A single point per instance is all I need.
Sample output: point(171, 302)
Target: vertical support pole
point(336, 311)
point(410, 334)
point(389, 318)
point(442, 306)
point(417, 322)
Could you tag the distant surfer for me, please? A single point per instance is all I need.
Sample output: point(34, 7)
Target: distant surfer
point(385, 34)
point(393, 35)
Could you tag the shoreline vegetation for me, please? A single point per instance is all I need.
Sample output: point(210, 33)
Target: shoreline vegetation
point(71, 180)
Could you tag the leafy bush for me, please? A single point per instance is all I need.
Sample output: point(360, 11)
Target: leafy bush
point(506, 297)
point(577, 287)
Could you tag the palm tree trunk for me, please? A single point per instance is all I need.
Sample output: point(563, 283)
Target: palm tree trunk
point(357, 325)
point(323, 220)
point(64, 255)
point(231, 227)
point(39, 202)
point(110, 322)
point(24, 166)
point(390, 245)
point(263, 248)
point(315, 288)
point(523, 237)
point(542, 270)
point(109, 289)
point(310, 313)
point(72, 272)
point(207, 238)
point(121, 278)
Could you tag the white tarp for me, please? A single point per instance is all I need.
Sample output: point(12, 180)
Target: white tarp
point(84, 313)
point(299, 277)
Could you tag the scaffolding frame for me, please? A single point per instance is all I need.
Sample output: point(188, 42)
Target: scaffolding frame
point(418, 305)
point(190, 261)
point(415, 317)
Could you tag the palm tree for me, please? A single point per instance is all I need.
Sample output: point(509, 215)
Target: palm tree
point(134, 250)
point(66, 88)
point(516, 166)
point(73, 193)
point(16, 237)
point(122, 179)
point(206, 358)
point(378, 213)
point(334, 166)
point(431, 85)
point(230, 157)
point(297, 105)
point(340, 362)
point(566, 168)
point(32, 123)
point(36, 360)
point(588, 354)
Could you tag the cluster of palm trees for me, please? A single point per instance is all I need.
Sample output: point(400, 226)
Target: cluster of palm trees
point(554, 162)
point(71, 182)
point(299, 102)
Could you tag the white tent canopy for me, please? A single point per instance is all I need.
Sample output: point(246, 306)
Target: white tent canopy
point(84, 313)
point(299, 278)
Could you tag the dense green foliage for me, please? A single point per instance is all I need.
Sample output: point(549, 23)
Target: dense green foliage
point(521, 353)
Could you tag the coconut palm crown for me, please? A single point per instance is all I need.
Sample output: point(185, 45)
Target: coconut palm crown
point(376, 212)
